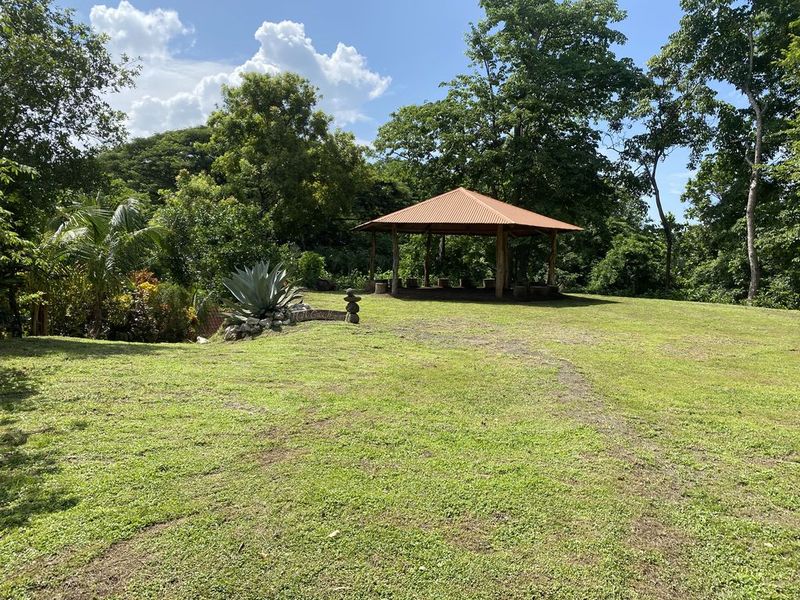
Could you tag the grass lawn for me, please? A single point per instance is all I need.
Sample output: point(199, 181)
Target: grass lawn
point(590, 448)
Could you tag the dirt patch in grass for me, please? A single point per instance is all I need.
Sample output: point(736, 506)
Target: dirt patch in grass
point(278, 454)
point(471, 533)
point(248, 408)
point(109, 574)
point(662, 551)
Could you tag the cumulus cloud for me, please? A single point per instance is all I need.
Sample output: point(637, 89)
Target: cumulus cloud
point(138, 33)
point(175, 92)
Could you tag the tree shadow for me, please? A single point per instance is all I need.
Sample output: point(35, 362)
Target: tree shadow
point(41, 346)
point(24, 471)
point(480, 296)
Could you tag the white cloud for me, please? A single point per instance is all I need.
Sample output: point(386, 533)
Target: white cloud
point(174, 92)
point(137, 33)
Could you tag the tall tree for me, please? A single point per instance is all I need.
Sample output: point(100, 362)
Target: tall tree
point(276, 150)
point(522, 125)
point(737, 43)
point(149, 165)
point(659, 113)
point(55, 78)
point(16, 253)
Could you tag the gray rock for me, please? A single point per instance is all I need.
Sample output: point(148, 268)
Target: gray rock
point(202, 340)
point(265, 323)
point(252, 321)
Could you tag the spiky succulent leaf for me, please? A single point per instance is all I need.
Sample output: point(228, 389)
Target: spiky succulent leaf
point(258, 291)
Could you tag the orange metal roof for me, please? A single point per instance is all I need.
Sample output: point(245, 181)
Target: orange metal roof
point(465, 212)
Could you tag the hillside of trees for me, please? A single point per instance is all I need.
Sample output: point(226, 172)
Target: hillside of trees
point(89, 219)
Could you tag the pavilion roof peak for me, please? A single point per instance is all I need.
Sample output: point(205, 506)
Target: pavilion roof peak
point(463, 211)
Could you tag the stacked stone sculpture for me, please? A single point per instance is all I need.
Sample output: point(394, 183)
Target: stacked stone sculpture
point(352, 306)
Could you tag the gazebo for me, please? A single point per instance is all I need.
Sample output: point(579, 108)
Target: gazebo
point(464, 212)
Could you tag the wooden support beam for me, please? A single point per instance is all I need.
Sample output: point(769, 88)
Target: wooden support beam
point(507, 258)
point(500, 259)
point(551, 267)
point(395, 261)
point(372, 252)
point(427, 266)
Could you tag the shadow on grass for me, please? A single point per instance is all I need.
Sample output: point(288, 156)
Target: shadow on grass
point(23, 471)
point(457, 296)
point(74, 347)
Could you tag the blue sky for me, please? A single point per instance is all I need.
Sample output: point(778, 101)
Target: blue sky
point(390, 53)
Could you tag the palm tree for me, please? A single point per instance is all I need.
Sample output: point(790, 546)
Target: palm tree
point(107, 245)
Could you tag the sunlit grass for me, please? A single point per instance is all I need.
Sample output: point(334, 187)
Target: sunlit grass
point(589, 448)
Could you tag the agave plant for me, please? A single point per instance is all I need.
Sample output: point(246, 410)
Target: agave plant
point(259, 292)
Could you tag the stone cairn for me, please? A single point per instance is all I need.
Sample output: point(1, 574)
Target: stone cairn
point(352, 306)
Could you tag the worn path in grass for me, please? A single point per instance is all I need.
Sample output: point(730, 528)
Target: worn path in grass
point(591, 448)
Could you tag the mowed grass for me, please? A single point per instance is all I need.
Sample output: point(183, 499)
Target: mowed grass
point(589, 448)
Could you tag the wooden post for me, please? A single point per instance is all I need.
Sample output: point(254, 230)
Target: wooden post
point(551, 267)
point(500, 267)
point(427, 265)
point(395, 261)
point(507, 260)
point(372, 259)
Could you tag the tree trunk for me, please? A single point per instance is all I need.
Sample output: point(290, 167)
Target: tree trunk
point(752, 192)
point(35, 319)
point(45, 320)
point(665, 224)
point(97, 319)
point(16, 318)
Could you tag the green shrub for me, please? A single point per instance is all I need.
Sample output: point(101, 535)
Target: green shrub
point(354, 279)
point(310, 269)
point(172, 309)
point(634, 266)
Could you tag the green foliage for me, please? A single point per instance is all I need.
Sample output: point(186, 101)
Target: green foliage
point(210, 233)
point(68, 302)
point(151, 164)
point(259, 291)
point(310, 268)
point(739, 44)
point(275, 152)
point(634, 266)
point(522, 125)
point(16, 253)
point(56, 77)
point(105, 245)
point(454, 257)
point(354, 279)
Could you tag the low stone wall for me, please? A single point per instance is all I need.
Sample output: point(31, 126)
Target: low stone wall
point(316, 314)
